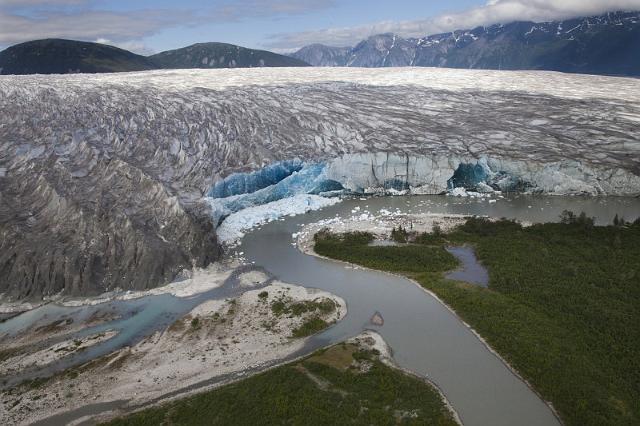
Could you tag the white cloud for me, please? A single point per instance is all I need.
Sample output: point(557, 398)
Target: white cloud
point(494, 12)
point(89, 25)
point(24, 20)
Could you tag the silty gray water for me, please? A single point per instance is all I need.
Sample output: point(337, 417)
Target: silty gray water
point(470, 269)
point(425, 336)
point(135, 320)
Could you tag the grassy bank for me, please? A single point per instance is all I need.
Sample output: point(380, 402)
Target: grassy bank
point(341, 385)
point(563, 305)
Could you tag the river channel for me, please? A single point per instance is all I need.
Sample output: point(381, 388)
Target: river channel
point(425, 336)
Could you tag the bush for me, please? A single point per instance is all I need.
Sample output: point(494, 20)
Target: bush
point(278, 307)
point(568, 217)
point(309, 327)
point(406, 258)
point(348, 238)
point(484, 227)
point(195, 322)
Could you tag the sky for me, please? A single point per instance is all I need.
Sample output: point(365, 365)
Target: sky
point(149, 26)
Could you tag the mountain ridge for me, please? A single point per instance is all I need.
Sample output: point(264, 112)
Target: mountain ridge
point(604, 44)
point(221, 55)
point(62, 56)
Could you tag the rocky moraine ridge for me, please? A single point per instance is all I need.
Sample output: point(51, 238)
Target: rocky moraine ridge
point(103, 177)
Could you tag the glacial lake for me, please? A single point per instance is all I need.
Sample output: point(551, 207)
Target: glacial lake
point(425, 336)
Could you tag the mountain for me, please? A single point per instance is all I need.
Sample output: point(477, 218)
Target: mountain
point(326, 56)
point(606, 44)
point(57, 56)
point(222, 55)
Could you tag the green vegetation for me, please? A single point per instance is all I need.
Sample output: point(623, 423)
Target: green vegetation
point(399, 235)
point(195, 323)
point(9, 353)
point(563, 305)
point(353, 247)
point(285, 306)
point(337, 386)
point(309, 327)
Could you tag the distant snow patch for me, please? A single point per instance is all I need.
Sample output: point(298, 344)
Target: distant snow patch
point(235, 225)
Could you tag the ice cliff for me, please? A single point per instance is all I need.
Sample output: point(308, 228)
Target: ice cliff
point(107, 181)
point(381, 173)
point(304, 178)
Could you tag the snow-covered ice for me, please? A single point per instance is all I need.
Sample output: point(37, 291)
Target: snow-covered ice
point(236, 224)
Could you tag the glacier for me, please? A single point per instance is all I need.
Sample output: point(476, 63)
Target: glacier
point(309, 178)
point(387, 174)
point(437, 174)
point(244, 183)
point(133, 172)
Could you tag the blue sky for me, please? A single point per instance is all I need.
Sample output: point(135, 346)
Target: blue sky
point(147, 26)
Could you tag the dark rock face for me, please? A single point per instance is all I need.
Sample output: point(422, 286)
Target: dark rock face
point(56, 56)
point(86, 206)
point(386, 50)
point(324, 56)
point(607, 44)
point(222, 55)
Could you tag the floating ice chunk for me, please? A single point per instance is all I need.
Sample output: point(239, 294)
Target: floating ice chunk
point(459, 192)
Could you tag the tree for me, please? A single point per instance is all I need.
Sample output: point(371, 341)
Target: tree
point(399, 235)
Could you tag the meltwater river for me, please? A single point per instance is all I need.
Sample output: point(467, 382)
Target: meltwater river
point(424, 335)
